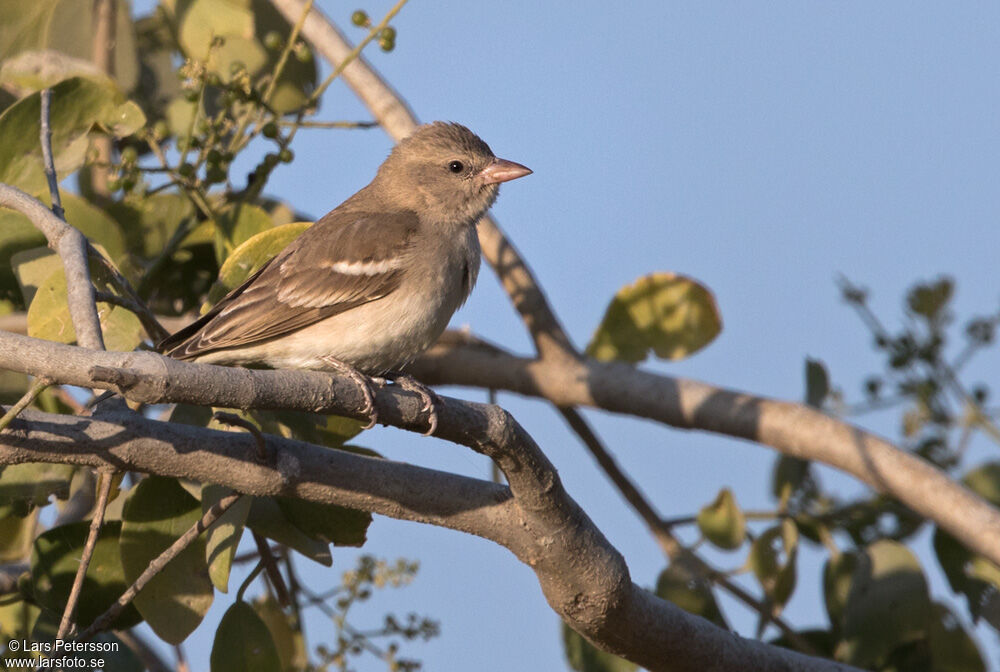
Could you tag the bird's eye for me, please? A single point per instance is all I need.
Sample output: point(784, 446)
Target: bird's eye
point(456, 166)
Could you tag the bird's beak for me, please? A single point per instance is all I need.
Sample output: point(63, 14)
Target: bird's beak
point(502, 170)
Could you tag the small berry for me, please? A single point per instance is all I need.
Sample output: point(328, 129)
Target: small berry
point(273, 40)
point(359, 18)
point(130, 155)
point(215, 174)
point(186, 170)
point(214, 156)
point(270, 130)
point(161, 130)
point(302, 52)
point(286, 155)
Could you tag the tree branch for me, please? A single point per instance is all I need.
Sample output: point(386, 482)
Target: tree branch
point(535, 518)
point(661, 532)
point(48, 164)
point(103, 492)
point(790, 428)
point(71, 246)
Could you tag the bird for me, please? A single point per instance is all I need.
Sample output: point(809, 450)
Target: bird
point(374, 282)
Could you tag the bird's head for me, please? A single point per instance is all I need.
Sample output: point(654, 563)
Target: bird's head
point(447, 173)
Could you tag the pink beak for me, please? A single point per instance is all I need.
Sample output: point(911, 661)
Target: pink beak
point(502, 170)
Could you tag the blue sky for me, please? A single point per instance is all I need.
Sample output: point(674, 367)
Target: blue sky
point(763, 148)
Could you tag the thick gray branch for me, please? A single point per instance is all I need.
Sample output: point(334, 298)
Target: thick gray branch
point(583, 577)
point(71, 246)
point(792, 429)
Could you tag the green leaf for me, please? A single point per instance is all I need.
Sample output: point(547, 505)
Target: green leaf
point(48, 312)
point(17, 618)
point(969, 573)
point(157, 512)
point(158, 84)
point(888, 604)
point(583, 656)
point(13, 385)
point(794, 475)
point(149, 223)
point(78, 105)
point(722, 522)
point(18, 234)
point(180, 115)
point(287, 638)
point(224, 535)
point(331, 431)
point(952, 649)
point(243, 643)
point(673, 315)
point(239, 225)
point(928, 300)
point(95, 224)
point(773, 558)
point(817, 383)
point(251, 255)
point(34, 482)
point(985, 482)
point(67, 25)
point(328, 523)
point(16, 533)
point(54, 562)
point(266, 518)
point(838, 573)
point(690, 592)
point(34, 70)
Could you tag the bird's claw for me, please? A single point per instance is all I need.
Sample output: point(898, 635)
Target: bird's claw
point(364, 384)
point(427, 395)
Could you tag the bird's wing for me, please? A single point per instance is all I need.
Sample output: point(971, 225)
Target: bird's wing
point(342, 261)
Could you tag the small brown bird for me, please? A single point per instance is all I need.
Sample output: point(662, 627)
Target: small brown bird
point(374, 282)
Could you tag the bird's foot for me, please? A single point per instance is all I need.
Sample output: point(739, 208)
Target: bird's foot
point(364, 384)
point(427, 395)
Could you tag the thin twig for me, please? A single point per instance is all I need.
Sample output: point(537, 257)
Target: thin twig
point(182, 663)
point(356, 51)
point(271, 567)
point(67, 242)
point(329, 124)
point(153, 328)
point(26, 400)
point(47, 160)
point(279, 68)
point(233, 420)
point(254, 573)
point(157, 565)
point(103, 56)
point(103, 492)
